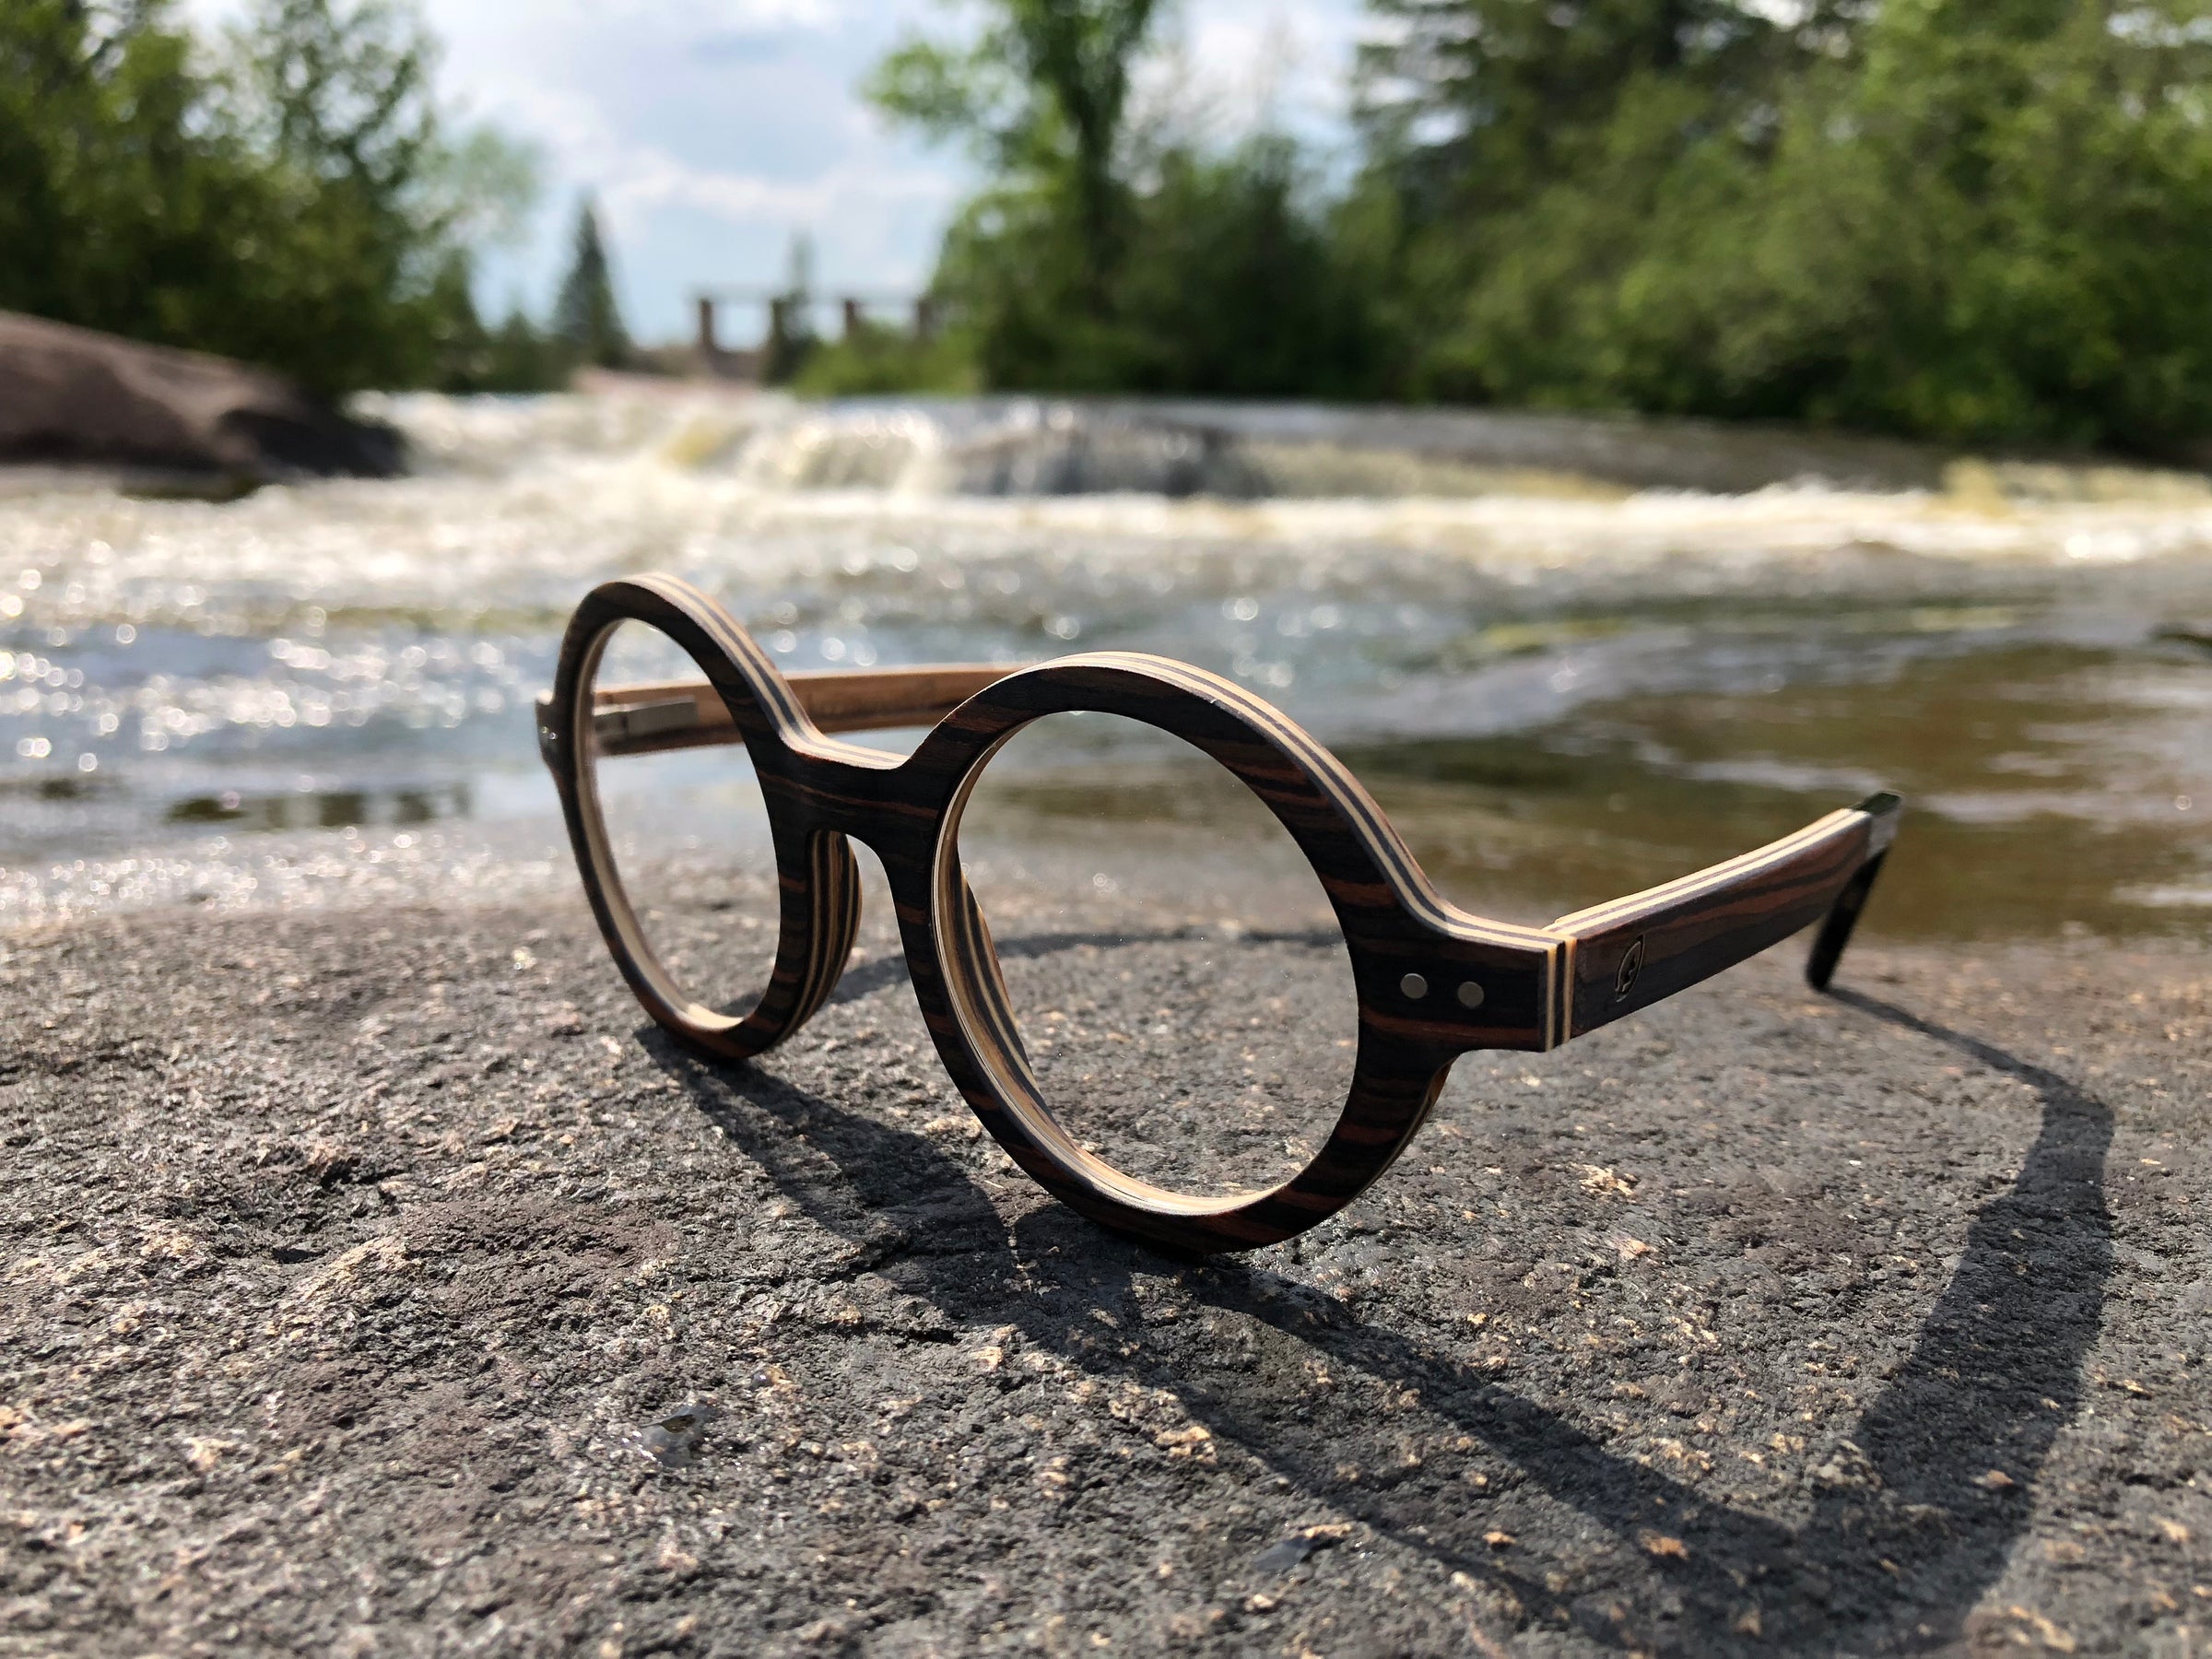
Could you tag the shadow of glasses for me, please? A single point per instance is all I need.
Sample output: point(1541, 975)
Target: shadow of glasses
point(1902, 1535)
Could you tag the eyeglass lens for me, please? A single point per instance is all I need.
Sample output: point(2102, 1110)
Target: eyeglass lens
point(1178, 979)
point(686, 830)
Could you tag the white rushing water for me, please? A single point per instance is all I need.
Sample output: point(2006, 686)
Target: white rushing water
point(320, 692)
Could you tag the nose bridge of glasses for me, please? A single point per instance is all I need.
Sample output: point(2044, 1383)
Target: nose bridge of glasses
point(650, 717)
point(876, 699)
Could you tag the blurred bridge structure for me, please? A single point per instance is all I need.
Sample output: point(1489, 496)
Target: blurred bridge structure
point(790, 316)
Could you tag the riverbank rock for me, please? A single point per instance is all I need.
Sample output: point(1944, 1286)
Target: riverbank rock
point(384, 1282)
point(73, 395)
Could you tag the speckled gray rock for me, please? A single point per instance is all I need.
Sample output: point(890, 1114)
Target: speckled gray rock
point(353, 1262)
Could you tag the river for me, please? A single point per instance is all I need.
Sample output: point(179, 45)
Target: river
point(1562, 684)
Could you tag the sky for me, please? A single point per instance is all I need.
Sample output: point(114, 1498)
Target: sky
point(712, 131)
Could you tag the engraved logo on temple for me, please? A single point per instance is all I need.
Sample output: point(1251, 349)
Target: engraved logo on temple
point(1631, 966)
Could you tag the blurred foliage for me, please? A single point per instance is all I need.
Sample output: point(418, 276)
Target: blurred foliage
point(877, 360)
point(792, 342)
point(1960, 219)
point(289, 193)
point(1102, 259)
point(586, 321)
point(1984, 221)
point(1040, 95)
point(1226, 282)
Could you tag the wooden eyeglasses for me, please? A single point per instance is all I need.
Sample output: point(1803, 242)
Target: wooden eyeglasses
point(1432, 982)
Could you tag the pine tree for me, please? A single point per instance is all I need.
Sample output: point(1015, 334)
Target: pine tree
point(585, 316)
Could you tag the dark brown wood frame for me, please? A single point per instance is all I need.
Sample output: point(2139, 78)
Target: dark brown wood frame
point(1433, 980)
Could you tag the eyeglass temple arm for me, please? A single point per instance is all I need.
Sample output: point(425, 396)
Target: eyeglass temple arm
point(1635, 952)
point(671, 715)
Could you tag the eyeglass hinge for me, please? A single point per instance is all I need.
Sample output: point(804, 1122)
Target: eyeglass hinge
point(549, 736)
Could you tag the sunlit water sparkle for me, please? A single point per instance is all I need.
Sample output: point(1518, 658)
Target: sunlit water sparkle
point(1561, 689)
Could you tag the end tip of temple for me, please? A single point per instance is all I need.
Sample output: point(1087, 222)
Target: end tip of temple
point(1883, 807)
point(1843, 915)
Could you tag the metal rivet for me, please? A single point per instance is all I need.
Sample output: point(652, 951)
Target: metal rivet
point(1470, 995)
point(1415, 987)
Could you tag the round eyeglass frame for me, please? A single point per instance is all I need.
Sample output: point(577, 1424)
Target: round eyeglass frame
point(1408, 949)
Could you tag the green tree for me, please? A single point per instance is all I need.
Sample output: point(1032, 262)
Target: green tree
point(1965, 221)
point(2000, 227)
point(1099, 259)
point(291, 195)
point(1477, 105)
point(339, 99)
point(1476, 114)
point(586, 317)
point(1230, 285)
point(1971, 220)
point(1237, 287)
point(1040, 96)
point(124, 182)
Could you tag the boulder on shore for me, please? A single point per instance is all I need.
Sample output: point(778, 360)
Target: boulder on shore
point(73, 395)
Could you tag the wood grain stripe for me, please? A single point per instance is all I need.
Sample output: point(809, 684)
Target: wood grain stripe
point(1635, 952)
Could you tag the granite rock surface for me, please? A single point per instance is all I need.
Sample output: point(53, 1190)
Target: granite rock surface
point(383, 1284)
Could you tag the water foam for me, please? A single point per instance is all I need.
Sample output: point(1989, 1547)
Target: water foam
point(160, 658)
